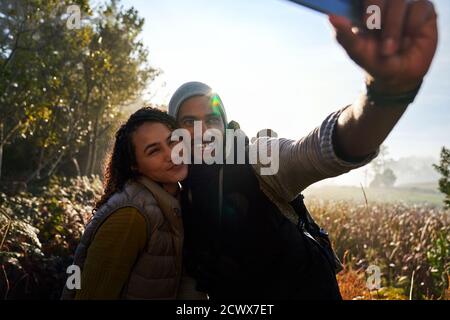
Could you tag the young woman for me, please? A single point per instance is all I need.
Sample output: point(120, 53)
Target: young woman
point(132, 247)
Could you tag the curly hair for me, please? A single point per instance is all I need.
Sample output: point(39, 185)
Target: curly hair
point(121, 161)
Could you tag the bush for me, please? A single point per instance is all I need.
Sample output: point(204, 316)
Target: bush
point(44, 230)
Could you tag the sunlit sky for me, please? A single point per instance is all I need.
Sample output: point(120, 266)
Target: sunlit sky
point(276, 65)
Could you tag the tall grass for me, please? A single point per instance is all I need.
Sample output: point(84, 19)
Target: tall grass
point(401, 239)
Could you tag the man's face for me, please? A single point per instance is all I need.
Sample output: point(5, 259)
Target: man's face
point(200, 108)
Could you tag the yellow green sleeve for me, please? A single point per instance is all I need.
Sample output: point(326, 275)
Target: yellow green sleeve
point(112, 254)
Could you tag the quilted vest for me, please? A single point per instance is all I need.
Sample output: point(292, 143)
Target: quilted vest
point(158, 270)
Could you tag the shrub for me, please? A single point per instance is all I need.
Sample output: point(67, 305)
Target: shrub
point(44, 230)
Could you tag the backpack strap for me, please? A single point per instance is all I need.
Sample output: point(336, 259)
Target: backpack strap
point(305, 220)
point(220, 209)
point(310, 228)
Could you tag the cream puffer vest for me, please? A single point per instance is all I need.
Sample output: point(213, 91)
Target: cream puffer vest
point(158, 270)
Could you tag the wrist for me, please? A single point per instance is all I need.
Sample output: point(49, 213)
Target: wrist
point(391, 88)
point(385, 94)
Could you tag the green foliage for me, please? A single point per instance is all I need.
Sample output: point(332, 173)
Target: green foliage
point(63, 92)
point(44, 232)
point(444, 169)
point(438, 258)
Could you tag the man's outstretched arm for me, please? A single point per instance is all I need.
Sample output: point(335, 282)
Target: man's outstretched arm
point(396, 59)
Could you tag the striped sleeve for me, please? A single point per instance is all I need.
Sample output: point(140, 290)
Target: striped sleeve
point(306, 161)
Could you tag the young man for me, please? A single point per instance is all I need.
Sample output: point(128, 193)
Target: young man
point(240, 239)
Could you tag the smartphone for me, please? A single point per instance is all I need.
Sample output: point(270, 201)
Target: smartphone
point(350, 9)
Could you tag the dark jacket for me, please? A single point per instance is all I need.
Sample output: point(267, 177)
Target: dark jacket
point(239, 245)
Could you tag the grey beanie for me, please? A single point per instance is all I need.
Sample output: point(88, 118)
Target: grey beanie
point(189, 90)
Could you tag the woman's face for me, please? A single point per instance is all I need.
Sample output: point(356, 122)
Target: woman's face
point(153, 149)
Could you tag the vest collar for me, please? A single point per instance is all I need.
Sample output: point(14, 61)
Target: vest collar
point(169, 205)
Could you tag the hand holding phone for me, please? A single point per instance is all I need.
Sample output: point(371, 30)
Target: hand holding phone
point(396, 57)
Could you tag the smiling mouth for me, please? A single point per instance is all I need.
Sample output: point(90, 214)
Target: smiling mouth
point(175, 166)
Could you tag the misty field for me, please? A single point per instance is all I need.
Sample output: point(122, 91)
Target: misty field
point(412, 194)
point(408, 242)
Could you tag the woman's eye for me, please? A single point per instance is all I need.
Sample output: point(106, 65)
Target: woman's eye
point(188, 122)
point(152, 152)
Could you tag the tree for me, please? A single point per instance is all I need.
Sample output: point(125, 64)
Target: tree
point(382, 175)
point(33, 59)
point(118, 72)
point(385, 179)
point(444, 169)
point(63, 91)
